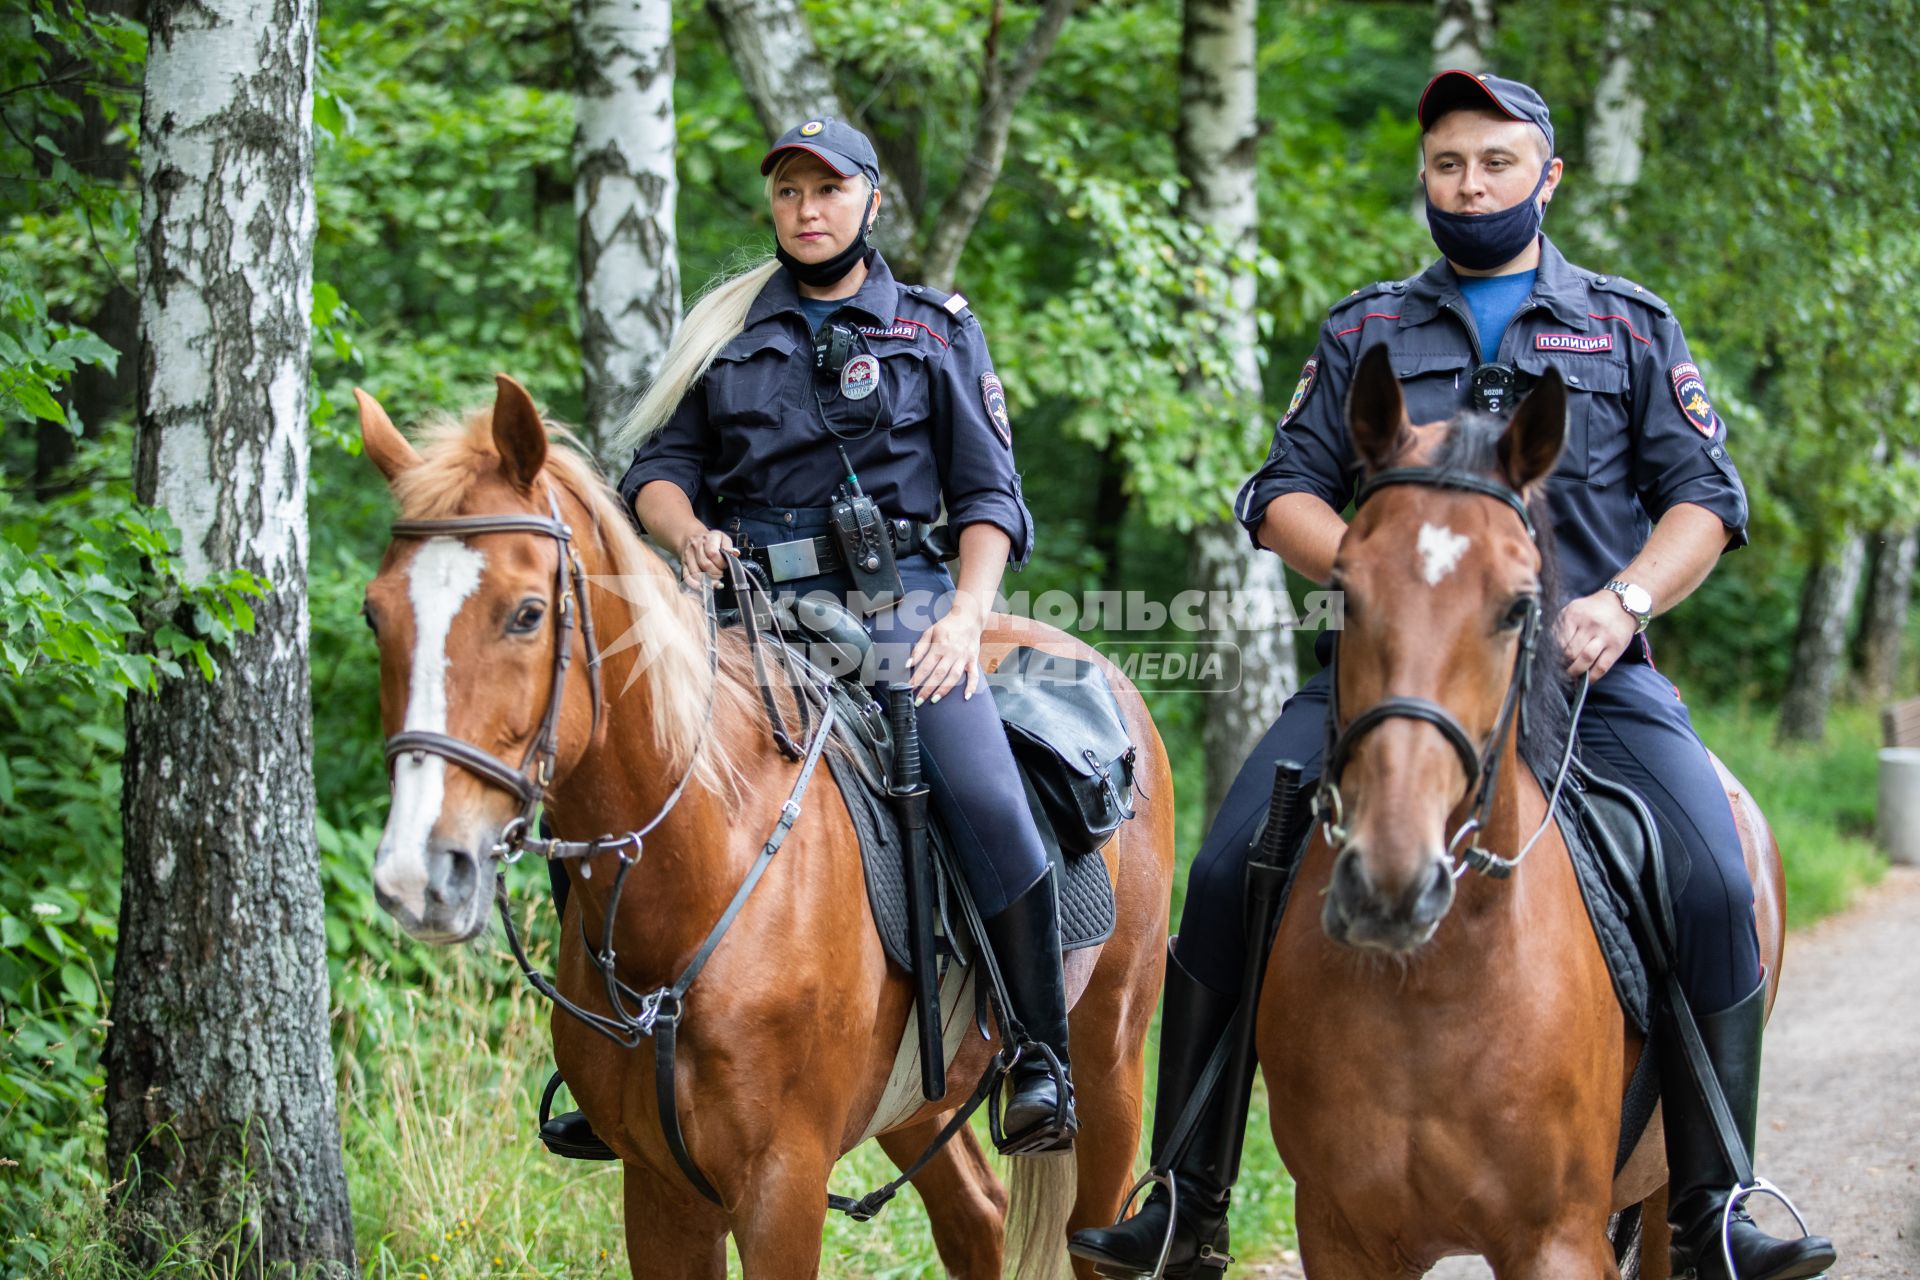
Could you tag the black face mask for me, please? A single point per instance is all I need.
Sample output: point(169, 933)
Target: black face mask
point(1483, 241)
point(819, 275)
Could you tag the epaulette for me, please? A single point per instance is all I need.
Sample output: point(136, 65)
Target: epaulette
point(1628, 289)
point(1374, 290)
point(953, 304)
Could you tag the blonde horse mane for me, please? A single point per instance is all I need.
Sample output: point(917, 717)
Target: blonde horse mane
point(669, 629)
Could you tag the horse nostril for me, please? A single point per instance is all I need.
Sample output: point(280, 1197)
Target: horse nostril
point(454, 873)
point(1436, 895)
point(1350, 879)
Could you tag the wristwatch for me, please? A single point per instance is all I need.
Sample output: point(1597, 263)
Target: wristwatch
point(1635, 600)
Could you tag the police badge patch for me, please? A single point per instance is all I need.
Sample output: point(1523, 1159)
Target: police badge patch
point(1691, 391)
point(1300, 390)
point(996, 401)
point(860, 378)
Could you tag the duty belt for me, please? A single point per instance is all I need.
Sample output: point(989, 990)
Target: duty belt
point(809, 557)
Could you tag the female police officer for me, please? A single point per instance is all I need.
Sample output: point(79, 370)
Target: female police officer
point(739, 440)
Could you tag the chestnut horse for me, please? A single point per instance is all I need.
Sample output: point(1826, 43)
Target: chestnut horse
point(1447, 1075)
point(788, 1036)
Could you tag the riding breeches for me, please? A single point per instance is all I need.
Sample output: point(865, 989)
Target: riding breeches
point(1634, 722)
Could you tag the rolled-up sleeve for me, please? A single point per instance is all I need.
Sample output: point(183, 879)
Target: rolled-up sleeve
point(1311, 451)
point(676, 452)
point(973, 443)
point(1680, 450)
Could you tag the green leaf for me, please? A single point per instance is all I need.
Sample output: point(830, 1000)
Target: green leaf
point(79, 984)
point(33, 397)
point(13, 932)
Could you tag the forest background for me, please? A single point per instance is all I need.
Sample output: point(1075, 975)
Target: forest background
point(1748, 160)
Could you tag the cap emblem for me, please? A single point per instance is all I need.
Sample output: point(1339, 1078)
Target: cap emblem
point(811, 127)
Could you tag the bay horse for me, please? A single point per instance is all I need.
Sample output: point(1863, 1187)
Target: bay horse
point(1451, 1083)
point(787, 1039)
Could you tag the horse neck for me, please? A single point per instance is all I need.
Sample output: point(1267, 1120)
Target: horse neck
point(1515, 814)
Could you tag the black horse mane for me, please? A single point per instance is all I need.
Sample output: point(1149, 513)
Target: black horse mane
point(1471, 447)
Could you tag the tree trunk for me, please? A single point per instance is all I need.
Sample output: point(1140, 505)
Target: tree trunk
point(787, 81)
point(1614, 135)
point(1215, 142)
point(1883, 622)
point(1826, 603)
point(220, 1093)
point(1462, 34)
point(624, 187)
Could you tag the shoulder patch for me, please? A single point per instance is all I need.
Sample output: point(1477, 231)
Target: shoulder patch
point(1301, 390)
point(995, 400)
point(1690, 390)
point(1626, 288)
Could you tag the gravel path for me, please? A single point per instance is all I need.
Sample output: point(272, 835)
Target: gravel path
point(1840, 1098)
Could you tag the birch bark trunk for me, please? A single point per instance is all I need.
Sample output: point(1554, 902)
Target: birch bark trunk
point(624, 187)
point(1826, 603)
point(220, 1086)
point(1883, 623)
point(1216, 140)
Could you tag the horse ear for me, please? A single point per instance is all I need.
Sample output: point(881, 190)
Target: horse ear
point(1376, 413)
point(519, 436)
point(381, 441)
point(1536, 433)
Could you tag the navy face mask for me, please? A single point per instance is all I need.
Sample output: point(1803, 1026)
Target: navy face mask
point(1483, 241)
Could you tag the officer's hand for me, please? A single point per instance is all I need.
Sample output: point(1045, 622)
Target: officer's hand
point(948, 652)
point(1593, 632)
point(705, 554)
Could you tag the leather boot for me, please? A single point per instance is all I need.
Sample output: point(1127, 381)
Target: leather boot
point(1194, 1019)
point(1036, 1112)
point(1700, 1179)
point(568, 1134)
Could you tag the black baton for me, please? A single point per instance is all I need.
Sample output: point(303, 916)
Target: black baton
point(909, 799)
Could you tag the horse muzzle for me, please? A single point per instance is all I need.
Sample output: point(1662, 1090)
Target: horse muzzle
point(436, 892)
point(1361, 913)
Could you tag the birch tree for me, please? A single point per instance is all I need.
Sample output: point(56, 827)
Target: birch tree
point(1826, 604)
point(1883, 620)
point(1462, 34)
point(220, 1092)
point(624, 186)
point(1216, 139)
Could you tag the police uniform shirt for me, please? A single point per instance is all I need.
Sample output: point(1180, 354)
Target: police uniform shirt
point(761, 428)
point(1641, 434)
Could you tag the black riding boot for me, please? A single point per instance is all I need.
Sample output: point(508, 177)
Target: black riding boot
point(1037, 1107)
point(1700, 1180)
point(1195, 1017)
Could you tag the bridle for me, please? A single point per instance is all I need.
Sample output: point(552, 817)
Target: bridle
point(530, 781)
point(1480, 764)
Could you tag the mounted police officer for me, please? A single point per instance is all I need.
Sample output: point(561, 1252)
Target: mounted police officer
point(777, 375)
point(1644, 501)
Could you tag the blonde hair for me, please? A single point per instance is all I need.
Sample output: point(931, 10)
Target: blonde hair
point(715, 320)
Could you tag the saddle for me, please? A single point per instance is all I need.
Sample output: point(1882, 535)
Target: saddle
point(1076, 764)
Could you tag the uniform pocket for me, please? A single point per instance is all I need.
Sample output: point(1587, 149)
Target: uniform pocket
point(1434, 384)
point(900, 399)
point(747, 383)
point(1598, 450)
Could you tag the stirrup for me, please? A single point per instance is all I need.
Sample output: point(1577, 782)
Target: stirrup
point(1162, 1178)
point(1760, 1187)
point(1051, 1134)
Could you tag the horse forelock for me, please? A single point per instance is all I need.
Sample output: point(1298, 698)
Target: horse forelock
point(1470, 445)
point(668, 640)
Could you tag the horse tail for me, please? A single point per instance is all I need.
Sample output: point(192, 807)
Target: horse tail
point(1038, 1204)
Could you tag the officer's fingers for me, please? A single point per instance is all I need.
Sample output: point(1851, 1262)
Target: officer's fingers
point(973, 678)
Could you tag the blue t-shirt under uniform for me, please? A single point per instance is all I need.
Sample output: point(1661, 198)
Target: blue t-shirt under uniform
point(816, 310)
point(1494, 299)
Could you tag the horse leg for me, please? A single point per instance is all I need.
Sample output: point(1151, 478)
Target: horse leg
point(966, 1205)
point(1656, 1238)
point(1575, 1251)
point(673, 1233)
point(1330, 1250)
point(780, 1221)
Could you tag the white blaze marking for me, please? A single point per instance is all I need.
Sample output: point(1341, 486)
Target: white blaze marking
point(443, 574)
point(1440, 552)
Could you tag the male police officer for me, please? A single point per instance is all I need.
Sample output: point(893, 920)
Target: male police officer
point(1644, 501)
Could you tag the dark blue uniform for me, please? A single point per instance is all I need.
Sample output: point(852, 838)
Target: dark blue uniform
point(1642, 438)
point(754, 446)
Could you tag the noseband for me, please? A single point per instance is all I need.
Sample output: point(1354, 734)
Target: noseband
point(535, 774)
point(1480, 764)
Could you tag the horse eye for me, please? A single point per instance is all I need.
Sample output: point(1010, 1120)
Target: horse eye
point(366, 616)
point(1517, 613)
point(528, 617)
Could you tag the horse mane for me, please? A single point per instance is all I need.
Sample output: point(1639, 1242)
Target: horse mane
point(670, 626)
point(1471, 447)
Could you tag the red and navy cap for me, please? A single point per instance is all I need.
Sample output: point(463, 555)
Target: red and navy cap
point(838, 145)
point(1458, 90)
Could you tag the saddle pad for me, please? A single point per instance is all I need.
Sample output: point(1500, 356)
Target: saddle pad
point(1086, 894)
point(1607, 891)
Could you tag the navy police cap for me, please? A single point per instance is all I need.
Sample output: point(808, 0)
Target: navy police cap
point(839, 145)
point(1457, 90)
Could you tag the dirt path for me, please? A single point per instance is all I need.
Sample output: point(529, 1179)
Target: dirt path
point(1840, 1099)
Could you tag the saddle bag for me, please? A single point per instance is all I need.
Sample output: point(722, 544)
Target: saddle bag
point(1069, 737)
